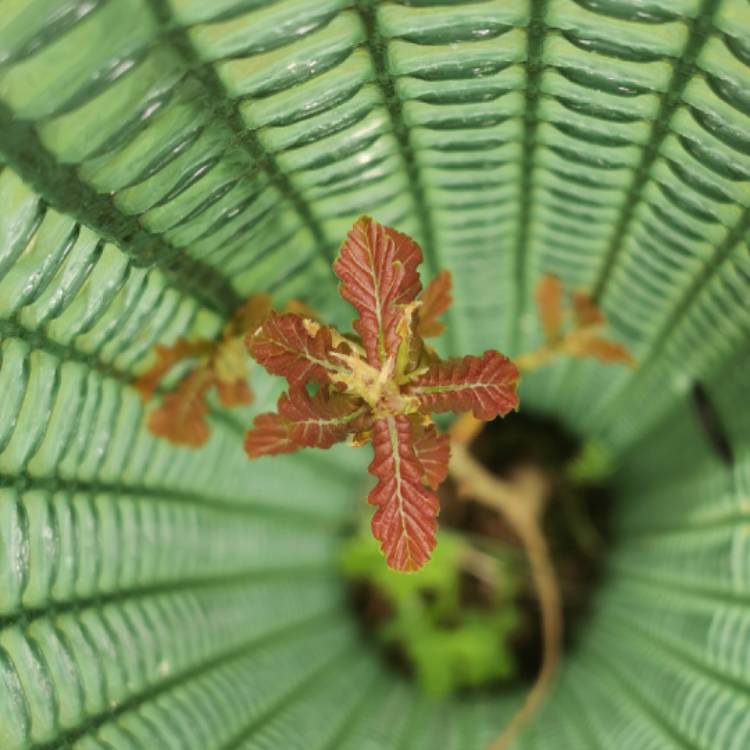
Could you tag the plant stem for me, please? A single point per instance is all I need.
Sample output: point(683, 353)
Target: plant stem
point(522, 503)
point(543, 575)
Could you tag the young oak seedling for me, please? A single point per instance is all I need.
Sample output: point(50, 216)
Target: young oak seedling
point(220, 364)
point(380, 386)
point(582, 337)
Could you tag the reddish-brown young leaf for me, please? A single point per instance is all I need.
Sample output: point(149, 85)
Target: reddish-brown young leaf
point(485, 385)
point(405, 522)
point(377, 267)
point(181, 418)
point(409, 255)
point(436, 299)
point(433, 452)
point(237, 393)
point(585, 311)
point(297, 348)
point(166, 358)
point(598, 348)
point(320, 421)
point(549, 301)
point(269, 436)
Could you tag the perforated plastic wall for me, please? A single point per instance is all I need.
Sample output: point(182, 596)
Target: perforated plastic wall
point(161, 159)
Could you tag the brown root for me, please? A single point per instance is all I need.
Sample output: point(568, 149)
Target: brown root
point(521, 502)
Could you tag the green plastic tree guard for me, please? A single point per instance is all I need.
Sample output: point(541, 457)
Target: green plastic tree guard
point(162, 159)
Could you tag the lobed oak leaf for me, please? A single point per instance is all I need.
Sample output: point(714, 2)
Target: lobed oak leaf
point(269, 436)
point(585, 311)
point(433, 451)
point(166, 358)
point(322, 420)
point(409, 255)
point(297, 348)
point(377, 267)
point(181, 418)
point(405, 522)
point(549, 301)
point(436, 299)
point(484, 385)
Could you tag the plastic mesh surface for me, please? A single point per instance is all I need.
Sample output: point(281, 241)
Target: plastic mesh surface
point(162, 159)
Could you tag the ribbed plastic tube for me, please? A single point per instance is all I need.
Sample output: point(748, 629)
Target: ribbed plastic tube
point(163, 159)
